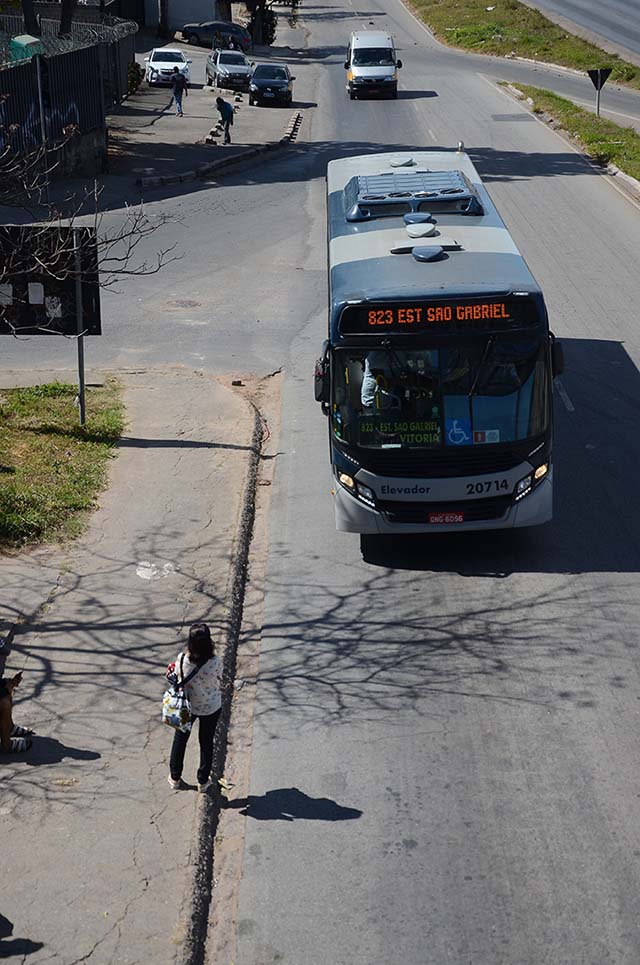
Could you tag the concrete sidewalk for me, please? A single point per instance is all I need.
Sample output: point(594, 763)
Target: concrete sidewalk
point(96, 848)
point(147, 139)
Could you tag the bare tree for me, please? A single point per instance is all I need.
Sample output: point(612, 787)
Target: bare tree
point(45, 251)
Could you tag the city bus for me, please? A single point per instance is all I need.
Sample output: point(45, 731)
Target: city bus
point(437, 374)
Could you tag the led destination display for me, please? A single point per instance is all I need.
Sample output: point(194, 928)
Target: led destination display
point(495, 314)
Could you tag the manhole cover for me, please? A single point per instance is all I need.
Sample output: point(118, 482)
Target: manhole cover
point(513, 117)
point(184, 303)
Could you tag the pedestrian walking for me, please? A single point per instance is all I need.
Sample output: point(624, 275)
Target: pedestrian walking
point(226, 115)
point(199, 663)
point(179, 88)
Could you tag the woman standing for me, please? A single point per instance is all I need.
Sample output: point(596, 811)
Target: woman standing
point(204, 668)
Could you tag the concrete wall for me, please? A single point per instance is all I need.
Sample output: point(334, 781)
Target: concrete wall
point(187, 11)
point(181, 12)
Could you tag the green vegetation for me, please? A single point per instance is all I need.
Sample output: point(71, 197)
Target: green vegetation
point(51, 468)
point(602, 139)
point(510, 28)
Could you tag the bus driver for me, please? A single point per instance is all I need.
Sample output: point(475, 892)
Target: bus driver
point(375, 383)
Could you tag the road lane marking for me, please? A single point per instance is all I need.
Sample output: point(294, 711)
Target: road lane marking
point(432, 136)
point(604, 110)
point(565, 140)
point(562, 392)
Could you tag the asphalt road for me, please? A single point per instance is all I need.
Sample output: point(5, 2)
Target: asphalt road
point(615, 20)
point(445, 749)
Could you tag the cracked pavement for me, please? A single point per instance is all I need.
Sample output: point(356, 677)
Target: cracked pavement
point(95, 844)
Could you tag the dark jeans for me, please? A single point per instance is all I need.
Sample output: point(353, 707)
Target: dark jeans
point(227, 133)
point(206, 732)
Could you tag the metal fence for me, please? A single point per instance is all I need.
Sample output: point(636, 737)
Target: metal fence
point(80, 79)
point(82, 34)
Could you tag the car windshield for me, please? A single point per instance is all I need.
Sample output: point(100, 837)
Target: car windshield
point(485, 391)
point(232, 59)
point(373, 57)
point(168, 56)
point(266, 72)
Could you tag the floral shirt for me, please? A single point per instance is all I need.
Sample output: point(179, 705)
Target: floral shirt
point(203, 690)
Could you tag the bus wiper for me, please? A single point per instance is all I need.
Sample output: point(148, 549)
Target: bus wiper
point(481, 364)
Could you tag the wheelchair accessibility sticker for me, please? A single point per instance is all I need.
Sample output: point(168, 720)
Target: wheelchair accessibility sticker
point(458, 432)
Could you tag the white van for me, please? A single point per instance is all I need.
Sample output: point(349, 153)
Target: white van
point(371, 64)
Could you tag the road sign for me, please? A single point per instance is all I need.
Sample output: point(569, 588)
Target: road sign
point(599, 76)
point(39, 265)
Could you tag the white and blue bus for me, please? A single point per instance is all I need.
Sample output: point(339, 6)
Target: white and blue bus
point(437, 376)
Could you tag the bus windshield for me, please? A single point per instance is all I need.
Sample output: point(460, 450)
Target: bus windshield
point(482, 391)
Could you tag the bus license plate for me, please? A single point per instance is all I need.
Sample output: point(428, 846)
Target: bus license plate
point(446, 518)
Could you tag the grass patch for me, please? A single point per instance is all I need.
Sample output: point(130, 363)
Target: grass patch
point(602, 139)
point(51, 468)
point(512, 28)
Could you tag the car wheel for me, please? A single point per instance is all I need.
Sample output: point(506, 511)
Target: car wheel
point(352, 95)
point(193, 39)
point(251, 101)
point(207, 80)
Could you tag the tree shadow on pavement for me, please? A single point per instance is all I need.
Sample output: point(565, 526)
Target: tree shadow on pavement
point(290, 804)
point(16, 947)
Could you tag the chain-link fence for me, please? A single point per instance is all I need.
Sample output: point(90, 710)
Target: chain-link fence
point(82, 35)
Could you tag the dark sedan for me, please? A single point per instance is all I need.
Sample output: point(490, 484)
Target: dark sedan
point(271, 83)
point(217, 33)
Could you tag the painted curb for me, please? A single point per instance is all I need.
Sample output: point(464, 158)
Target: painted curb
point(211, 167)
point(199, 888)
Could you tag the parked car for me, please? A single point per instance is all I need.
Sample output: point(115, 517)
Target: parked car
point(271, 83)
point(229, 69)
point(160, 64)
point(217, 33)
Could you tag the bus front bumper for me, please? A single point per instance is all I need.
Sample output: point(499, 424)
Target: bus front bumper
point(354, 516)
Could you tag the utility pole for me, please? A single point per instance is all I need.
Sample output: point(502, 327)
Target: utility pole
point(79, 325)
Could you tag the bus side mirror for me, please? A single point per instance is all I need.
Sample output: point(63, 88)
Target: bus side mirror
point(398, 64)
point(557, 357)
point(321, 377)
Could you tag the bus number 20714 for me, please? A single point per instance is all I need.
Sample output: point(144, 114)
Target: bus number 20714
point(481, 488)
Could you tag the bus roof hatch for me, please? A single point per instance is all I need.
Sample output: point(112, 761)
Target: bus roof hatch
point(396, 193)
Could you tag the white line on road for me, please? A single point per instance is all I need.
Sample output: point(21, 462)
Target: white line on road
point(432, 136)
point(609, 178)
point(605, 110)
point(562, 392)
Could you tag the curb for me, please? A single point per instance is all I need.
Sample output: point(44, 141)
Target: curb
point(211, 167)
point(199, 889)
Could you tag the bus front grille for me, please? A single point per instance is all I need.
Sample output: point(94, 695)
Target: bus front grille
point(438, 464)
point(474, 510)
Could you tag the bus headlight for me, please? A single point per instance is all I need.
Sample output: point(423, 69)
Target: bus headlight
point(347, 481)
point(366, 495)
point(524, 487)
point(529, 482)
point(357, 489)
